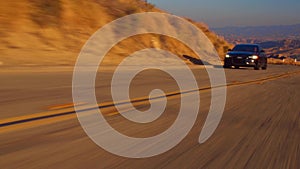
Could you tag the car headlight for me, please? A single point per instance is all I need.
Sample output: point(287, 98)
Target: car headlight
point(253, 57)
point(227, 56)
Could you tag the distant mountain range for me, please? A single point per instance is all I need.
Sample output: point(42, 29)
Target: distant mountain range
point(287, 48)
point(282, 40)
point(259, 33)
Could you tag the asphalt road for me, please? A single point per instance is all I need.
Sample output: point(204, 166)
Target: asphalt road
point(259, 129)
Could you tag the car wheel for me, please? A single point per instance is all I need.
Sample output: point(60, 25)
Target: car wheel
point(256, 67)
point(236, 67)
point(265, 67)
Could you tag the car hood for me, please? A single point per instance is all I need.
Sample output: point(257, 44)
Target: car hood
point(241, 53)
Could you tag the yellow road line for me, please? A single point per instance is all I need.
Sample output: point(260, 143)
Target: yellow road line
point(36, 123)
point(63, 106)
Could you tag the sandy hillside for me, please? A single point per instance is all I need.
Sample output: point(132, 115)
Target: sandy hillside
point(52, 32)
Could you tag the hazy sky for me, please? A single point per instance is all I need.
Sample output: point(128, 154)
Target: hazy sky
point(220, 13)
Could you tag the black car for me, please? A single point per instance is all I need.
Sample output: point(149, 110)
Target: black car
point(246, 55)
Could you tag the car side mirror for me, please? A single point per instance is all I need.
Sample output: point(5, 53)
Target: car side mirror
point(262, 51)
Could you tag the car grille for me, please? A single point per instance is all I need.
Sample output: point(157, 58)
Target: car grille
point(239, 59)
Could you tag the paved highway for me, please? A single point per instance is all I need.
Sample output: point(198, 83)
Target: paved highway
point(259, 129)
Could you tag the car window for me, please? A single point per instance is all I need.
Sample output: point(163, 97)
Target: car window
point(245, 48)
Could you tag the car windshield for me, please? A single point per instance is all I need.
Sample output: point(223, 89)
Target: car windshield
point(245, 48)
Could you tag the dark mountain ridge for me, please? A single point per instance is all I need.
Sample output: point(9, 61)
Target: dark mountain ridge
point(260, 33)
